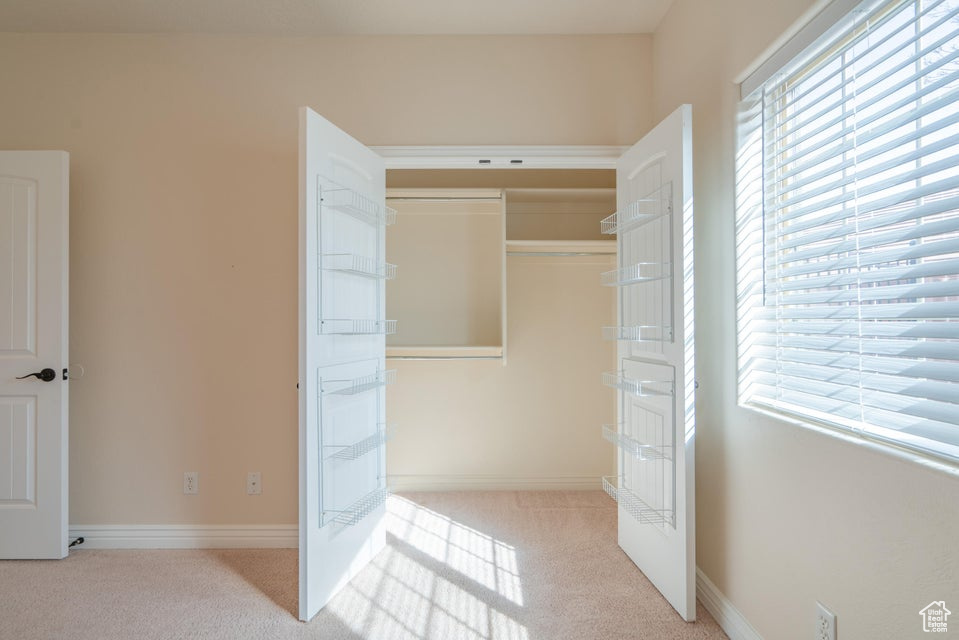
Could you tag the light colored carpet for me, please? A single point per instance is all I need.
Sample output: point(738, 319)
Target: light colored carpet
point(539, 565)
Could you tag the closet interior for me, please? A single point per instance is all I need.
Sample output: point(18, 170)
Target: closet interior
point(499, 347)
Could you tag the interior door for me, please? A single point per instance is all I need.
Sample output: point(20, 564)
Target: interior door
point(655, 486)
point(34, 262)
point(342, 374)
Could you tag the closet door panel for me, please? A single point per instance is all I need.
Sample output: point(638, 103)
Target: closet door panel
point(342, 374)
point(655, 433)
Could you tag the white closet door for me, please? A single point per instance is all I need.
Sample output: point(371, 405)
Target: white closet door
point(342, 375)
point(656, 421)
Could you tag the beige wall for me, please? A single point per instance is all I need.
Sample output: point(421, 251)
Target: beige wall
point(450, 289)
point(786, 515)
point(535, 423)
point(183, 230)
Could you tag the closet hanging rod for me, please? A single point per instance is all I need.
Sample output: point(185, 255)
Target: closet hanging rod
point(560, 254)
point(443, 199)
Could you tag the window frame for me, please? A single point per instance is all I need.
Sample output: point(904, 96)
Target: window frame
point(750, 231)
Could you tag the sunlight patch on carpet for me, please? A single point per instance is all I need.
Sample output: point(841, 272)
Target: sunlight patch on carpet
point(438, 578)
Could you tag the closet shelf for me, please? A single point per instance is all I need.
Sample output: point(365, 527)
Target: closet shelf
point(615, 487)
point(635, 448)
point(358, 510)
point(639, 333)
point(639, 212)
point(358, 385)
point(344, 326)
point(357, 205)
point(363, 447)
point(637, 273)
point(639, 388)
point(358, 265)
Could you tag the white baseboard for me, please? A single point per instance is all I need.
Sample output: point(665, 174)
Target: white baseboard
point(399, 483)
point(729, 618)
point(113, 536)
point(118, 536)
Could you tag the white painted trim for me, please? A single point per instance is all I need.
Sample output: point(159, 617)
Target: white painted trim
point(729, 618)
point(814, 23)
point(399, 483)
point(139, 536)
point(500, 157)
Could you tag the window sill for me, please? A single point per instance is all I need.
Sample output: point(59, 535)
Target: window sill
point(878, 445)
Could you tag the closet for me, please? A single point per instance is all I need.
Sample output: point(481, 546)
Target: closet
point(519, 406)
point(487, 404)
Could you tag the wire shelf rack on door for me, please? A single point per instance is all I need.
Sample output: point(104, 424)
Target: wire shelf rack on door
point(362, 447)
point(357, 205)
point(358, 265)
point(359, 509)
point(639, 212)
point(358, 385)
point(639, 388)
point(639, 333)
point(634, 505)
point(639, 450)
point(355, 327)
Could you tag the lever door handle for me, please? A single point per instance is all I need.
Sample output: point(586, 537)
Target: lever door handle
point(47, 375)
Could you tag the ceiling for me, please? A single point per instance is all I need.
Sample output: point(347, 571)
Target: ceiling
point(334, 17)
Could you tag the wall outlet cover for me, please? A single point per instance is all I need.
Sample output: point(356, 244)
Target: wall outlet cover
point(191, 482)
point(254, 484)
point(825, 623)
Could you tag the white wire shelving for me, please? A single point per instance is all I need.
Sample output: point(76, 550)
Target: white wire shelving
point(634, 505)
point(357, 265)
point(357, 205)
point(362, 447)
point(358, 385)
point(637, 273)
point(639, 333)
point(349, 326)
point(363, 507)
point(640, 388)
point(632, 446)
point(640, 212)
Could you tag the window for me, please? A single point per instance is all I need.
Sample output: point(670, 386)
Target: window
point(848, 228)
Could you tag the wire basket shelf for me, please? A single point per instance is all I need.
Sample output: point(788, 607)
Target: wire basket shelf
point(639, 212)
point(363, 507)
point(639, 388)
point(634, 505)
point(357, 205)
point(352, 327)
point(358, 385)
point(639, 333)
point(637, 449)
point(637, 273)
point(358, 265)
point(362, 447)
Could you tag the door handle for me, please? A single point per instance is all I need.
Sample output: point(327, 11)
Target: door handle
point(47, 375)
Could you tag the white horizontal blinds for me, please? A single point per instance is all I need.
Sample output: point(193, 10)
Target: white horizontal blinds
point(860, 317)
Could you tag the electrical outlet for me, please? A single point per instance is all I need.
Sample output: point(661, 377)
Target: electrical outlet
point(825, 623)
point(191, 482)
point(253, 483)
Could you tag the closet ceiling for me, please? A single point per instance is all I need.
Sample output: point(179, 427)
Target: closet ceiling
point(334, 17)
